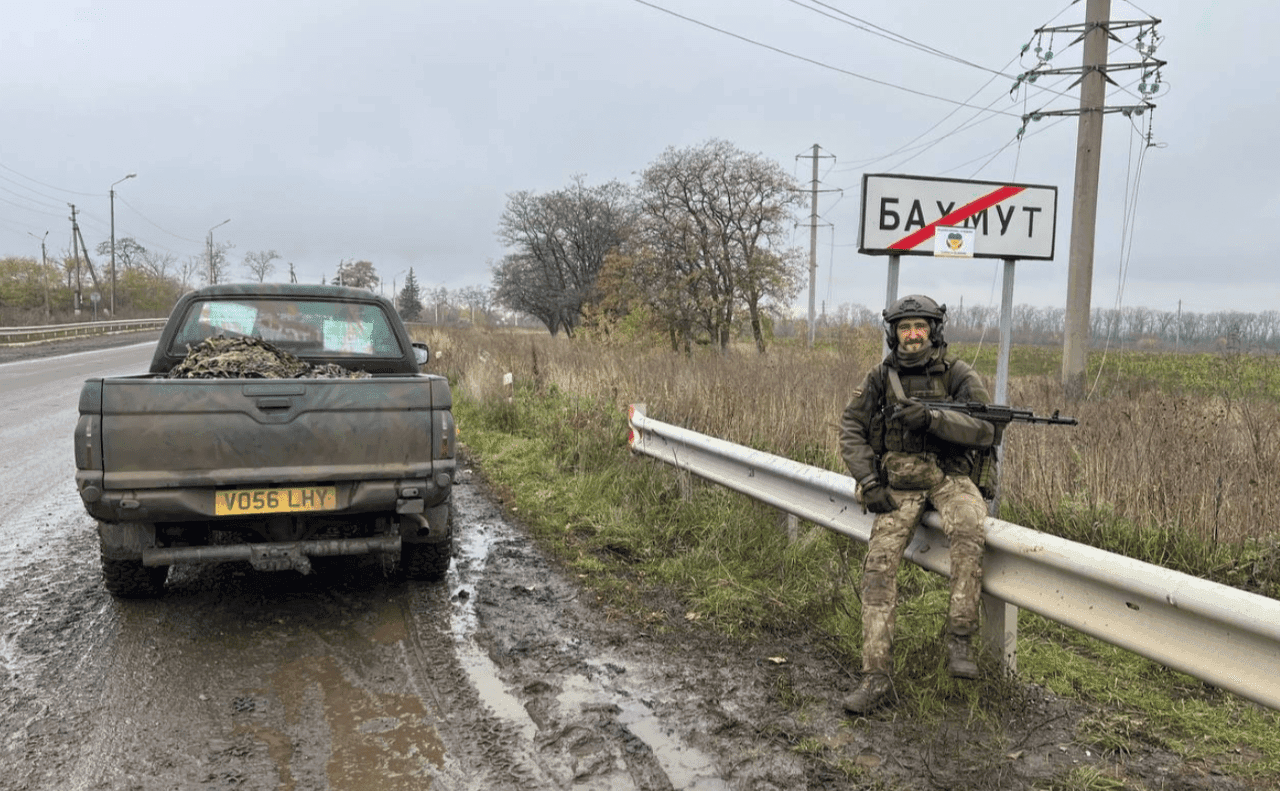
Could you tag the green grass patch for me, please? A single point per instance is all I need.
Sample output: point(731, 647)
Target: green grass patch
point(1200, 373)
point(1144, 699)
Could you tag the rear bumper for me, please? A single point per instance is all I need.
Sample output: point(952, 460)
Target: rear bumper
point(276, 556)
point(197, 504)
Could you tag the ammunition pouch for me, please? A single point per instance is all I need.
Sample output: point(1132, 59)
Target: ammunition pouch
point(985, 471)
point(912, 471)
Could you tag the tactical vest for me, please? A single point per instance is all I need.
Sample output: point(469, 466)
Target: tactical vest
point(888, 434)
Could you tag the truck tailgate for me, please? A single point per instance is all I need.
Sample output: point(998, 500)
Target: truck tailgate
point(158, 433)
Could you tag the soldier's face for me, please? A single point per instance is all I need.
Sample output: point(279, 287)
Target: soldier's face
point(913, 335)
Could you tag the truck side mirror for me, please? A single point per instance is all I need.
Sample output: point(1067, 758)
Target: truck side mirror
point(421, 353)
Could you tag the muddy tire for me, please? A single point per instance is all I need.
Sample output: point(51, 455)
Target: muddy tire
point(129, 579)
point(427, 561)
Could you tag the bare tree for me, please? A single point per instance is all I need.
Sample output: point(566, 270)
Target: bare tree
point(261, 264)
point(192, 269)
point(718, 218)
point(357, 274)
point(477, 299)
point(157, 264)
point(128, 252)
point(216, 267)
point(523, 285)
point(559, 242)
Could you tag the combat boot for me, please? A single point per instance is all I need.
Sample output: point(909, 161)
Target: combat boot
point(960, 657)
point(873, 692)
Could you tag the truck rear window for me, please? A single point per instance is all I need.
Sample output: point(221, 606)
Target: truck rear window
point(301, 326)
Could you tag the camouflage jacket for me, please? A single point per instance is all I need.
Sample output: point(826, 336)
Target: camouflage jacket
point(868, 430)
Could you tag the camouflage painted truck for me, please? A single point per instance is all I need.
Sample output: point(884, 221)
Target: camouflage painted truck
point(277, 423)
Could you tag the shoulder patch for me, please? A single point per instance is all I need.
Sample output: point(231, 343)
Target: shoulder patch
point(857, 392)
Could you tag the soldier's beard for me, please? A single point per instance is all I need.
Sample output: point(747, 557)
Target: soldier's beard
point(913, 359)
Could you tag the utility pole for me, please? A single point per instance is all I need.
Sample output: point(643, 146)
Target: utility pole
point(93, 273)
point(813, 248)
point(113, 243)
point(44, 271)
point(813, 243)
point(1097, 30)
point(1084, 204)
point(212, 274)
point(75, 255)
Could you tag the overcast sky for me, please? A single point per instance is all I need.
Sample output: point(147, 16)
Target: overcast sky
point(393, 131)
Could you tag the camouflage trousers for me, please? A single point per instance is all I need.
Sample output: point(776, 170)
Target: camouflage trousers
point(963, 512)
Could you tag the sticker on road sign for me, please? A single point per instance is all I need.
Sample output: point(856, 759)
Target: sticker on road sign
point(953, 242)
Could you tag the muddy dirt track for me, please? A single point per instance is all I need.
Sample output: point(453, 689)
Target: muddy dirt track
point(506, 675)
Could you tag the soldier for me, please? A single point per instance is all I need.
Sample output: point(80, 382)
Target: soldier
point(904, 458)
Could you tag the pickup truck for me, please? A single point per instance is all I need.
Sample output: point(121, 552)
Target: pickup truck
point(274, 471)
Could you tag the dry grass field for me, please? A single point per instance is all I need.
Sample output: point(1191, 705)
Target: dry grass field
point(1171, 464)
point(1184, 445)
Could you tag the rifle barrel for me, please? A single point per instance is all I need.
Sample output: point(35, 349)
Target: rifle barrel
point(1000, 413)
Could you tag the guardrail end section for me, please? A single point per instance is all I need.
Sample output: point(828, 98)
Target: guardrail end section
point(632, 411)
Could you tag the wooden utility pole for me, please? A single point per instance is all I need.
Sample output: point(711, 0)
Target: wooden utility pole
point(1084, 205)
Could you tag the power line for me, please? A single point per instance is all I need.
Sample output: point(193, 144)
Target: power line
point(157, 226)
point(789, 54)
point(49, 186)
point(889, 35)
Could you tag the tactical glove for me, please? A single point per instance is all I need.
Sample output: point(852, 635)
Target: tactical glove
point(877, 499)
point(915, 417)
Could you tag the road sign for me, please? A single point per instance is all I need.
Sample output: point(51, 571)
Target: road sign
point(901, 215)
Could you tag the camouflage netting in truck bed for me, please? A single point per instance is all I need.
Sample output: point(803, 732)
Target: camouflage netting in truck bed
point(251, 358)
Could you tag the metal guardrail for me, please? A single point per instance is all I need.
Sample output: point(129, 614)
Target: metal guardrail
point(12, 336)
point(1221, 635)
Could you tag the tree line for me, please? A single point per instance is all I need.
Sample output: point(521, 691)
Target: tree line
point(148, 283)
point(697, 249)
point(1126, 326)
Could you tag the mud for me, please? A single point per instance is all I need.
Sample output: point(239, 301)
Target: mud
point(509, 674)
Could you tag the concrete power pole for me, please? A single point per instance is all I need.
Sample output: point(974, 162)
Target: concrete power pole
point(813, 242)
point(1084, 204)
point(813, 248)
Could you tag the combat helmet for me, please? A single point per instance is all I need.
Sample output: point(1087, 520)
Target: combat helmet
point(915, 306)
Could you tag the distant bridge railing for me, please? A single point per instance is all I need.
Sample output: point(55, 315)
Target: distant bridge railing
point(19, 335)
point(1221, 635)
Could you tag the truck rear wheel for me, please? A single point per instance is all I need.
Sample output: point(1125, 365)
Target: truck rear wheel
point(121, 545)
point(129, 579)
point(429, 561)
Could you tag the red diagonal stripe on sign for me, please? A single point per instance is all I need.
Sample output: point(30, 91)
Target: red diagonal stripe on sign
point(958, 216)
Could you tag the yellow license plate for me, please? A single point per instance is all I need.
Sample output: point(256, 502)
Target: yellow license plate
point(240, 502)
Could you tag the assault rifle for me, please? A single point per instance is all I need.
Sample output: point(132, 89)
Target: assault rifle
point(997, 415)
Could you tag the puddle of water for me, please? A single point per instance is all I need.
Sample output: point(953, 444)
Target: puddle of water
point(471, 552)
point(377, 741)
point(688, 768)
point(391, 628)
